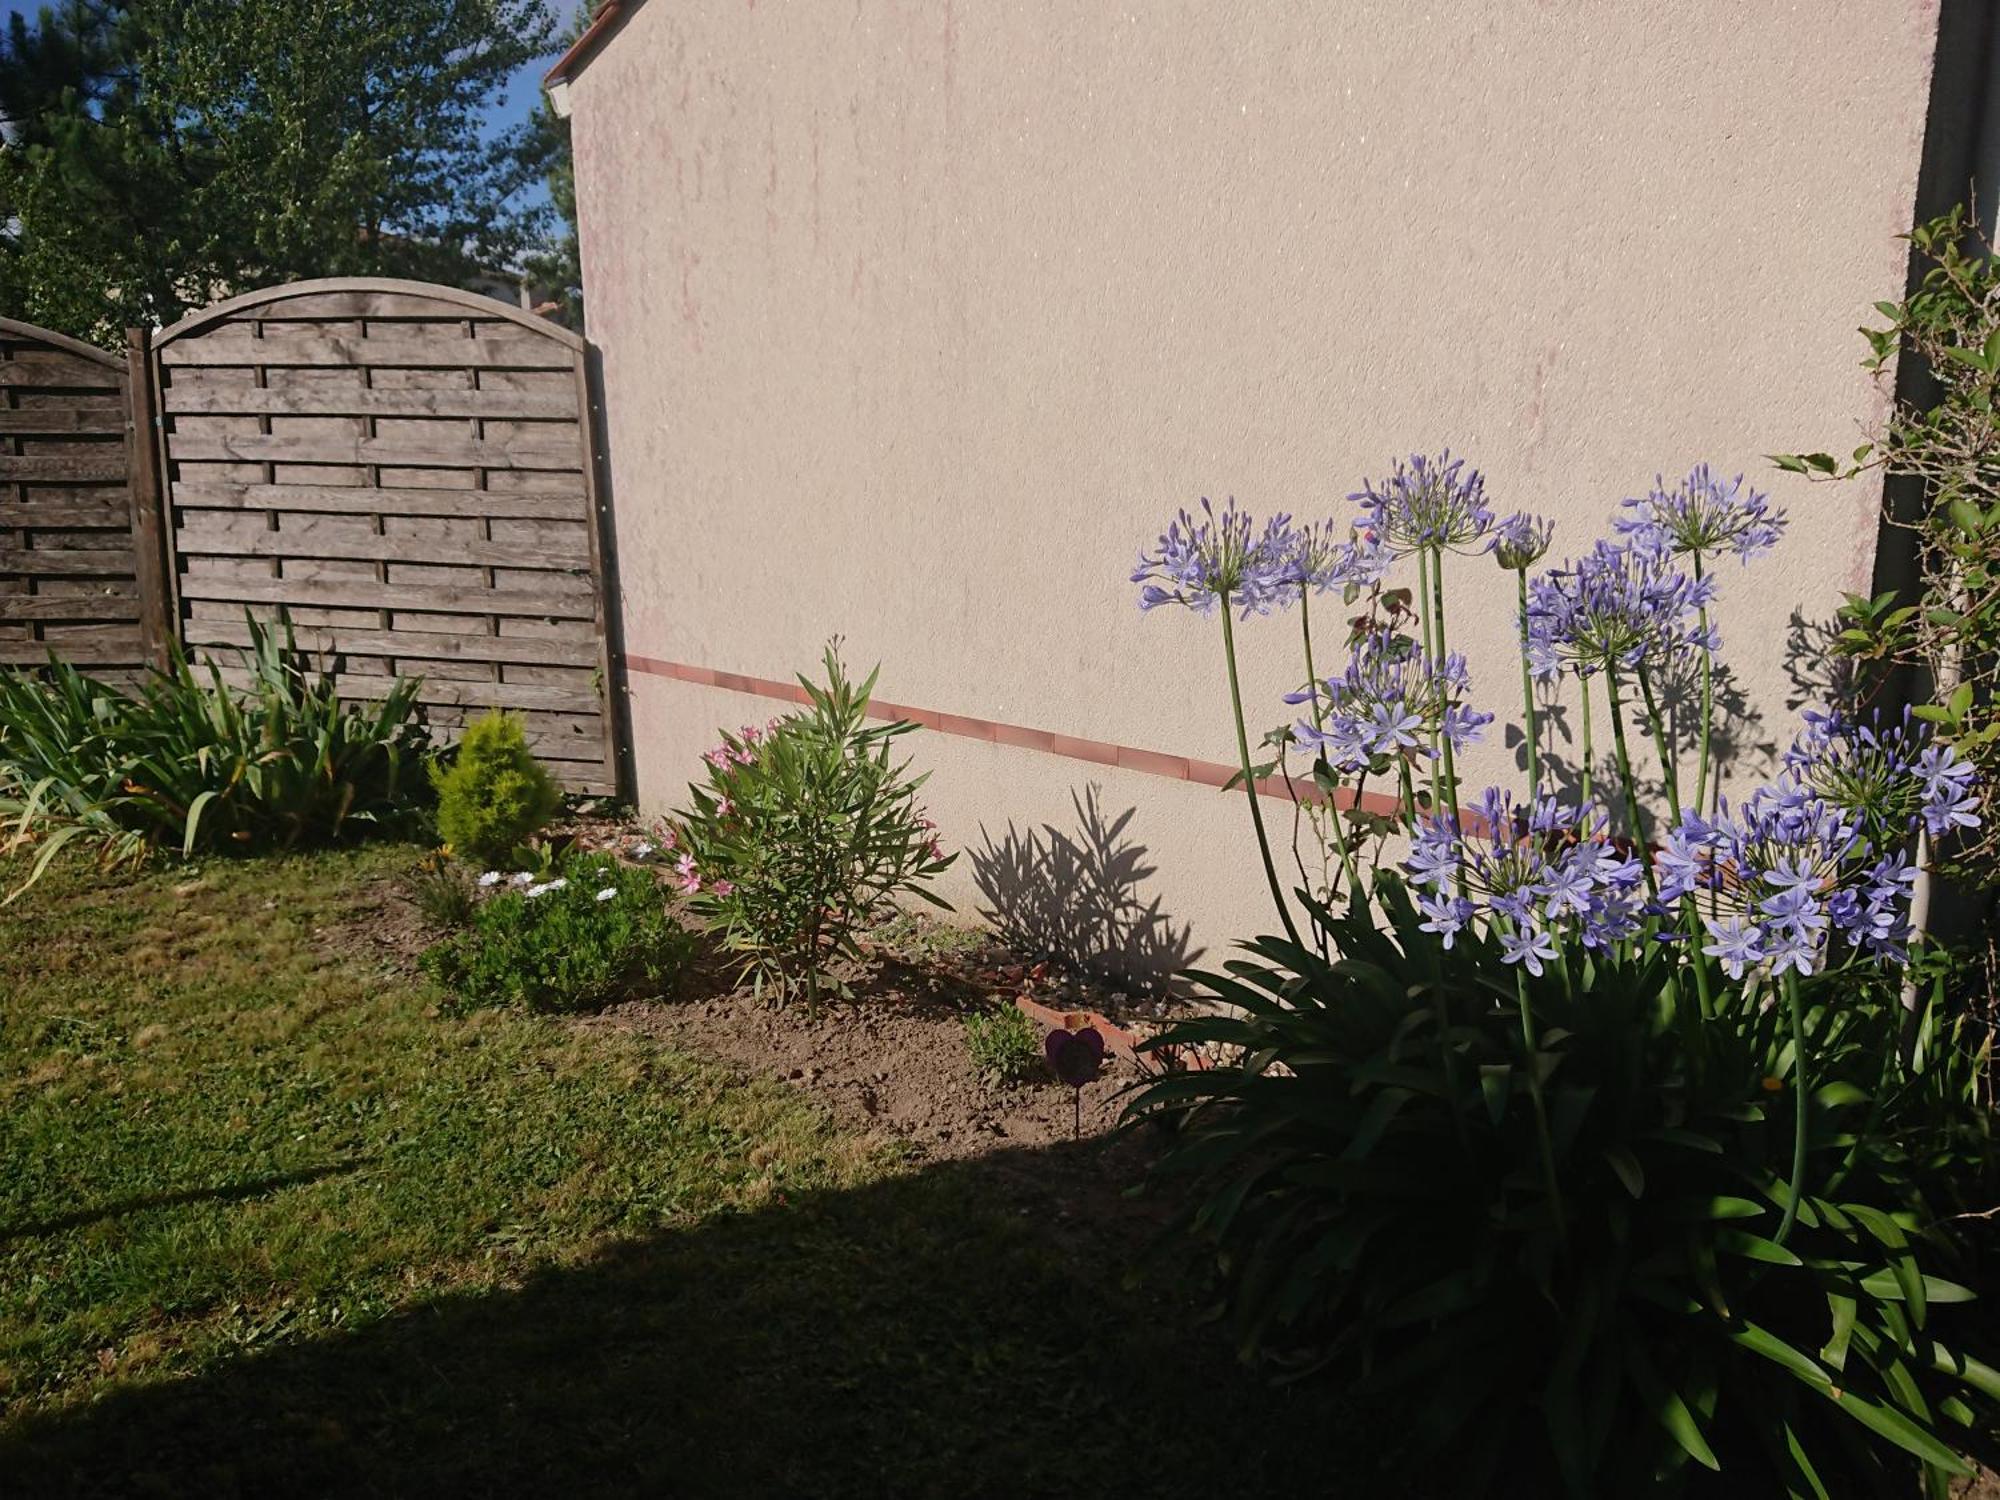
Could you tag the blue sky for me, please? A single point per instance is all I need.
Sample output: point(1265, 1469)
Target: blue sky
point(521, 91)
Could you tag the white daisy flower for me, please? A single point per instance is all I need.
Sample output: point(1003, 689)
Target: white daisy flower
point(526, 877)
point(607, 893)
point(491, 878)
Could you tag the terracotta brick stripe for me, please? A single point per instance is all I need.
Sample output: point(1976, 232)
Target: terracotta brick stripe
point(1097, 752)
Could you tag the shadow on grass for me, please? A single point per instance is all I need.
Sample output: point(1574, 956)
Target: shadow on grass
point(235, 1192)
point(959, 1331)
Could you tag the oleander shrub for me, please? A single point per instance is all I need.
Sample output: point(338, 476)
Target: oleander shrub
point(803, 834)
point(262, 754)
point(592, 932)
point(1607, 1130)
point(493, 796)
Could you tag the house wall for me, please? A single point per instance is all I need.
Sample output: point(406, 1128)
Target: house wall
point(918, 320)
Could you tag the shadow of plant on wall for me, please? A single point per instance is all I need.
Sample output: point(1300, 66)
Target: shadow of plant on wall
point(1741, 743)
point(1075, 897)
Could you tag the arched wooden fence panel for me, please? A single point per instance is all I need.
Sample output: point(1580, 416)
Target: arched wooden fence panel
point(409, 471)
point(80, 568)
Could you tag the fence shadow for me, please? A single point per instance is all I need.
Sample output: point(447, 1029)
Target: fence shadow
point(960, 1331)
point(1077, 897)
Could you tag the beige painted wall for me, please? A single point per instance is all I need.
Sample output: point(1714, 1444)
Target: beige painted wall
point(918, 319)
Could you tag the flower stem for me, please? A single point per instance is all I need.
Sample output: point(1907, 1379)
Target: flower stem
point(1249, 777)
point(1583, 691)
point(1424, 616)
point(1319, 722)
point(1625, 775)
point(1707, 706)
point(1547, 1142)
point(1528, 694)
point(1437, 614)
point(1800, 1105)
point(1669, 771)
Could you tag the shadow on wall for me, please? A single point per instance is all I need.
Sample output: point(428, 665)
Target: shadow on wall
point(1075, 897)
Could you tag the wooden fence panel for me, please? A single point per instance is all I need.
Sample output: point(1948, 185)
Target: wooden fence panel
point(408, 471)
point(76, 576)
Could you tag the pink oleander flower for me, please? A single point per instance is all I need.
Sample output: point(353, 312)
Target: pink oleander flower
point(750, 734)
point(718, 758)
point(724, 808)
point(690, 878)
point(720, 889)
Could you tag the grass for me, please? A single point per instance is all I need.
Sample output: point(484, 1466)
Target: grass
point(271, 1218)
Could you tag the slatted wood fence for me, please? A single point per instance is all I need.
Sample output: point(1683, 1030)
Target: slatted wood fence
point(409, 473)
point(75, 513)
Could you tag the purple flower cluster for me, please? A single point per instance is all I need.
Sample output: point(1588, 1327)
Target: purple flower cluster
point(1702, 516)
point(1783, 876)
point(1536, 874)
point(1426, 502)
point(1617, 607)
point(1889, 777)
point(1330, 556)
point(1387, 703)
point(1197, 563)
point(1521, 540)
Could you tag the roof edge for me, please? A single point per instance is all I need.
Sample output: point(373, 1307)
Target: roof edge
point(572, 62)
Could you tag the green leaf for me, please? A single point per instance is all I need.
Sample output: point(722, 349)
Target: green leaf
point(1900, 1430)
point(1626, 1165)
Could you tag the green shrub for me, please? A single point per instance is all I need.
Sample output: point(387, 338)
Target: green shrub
point(803, 834)
point(1005, 1043)
point(1375, 1192)
point(193, 763)
point(493, 795)
point(564, 944)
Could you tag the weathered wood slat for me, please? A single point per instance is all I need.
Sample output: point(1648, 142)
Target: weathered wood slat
point(62, 420)
point(366, 500)
point(76, 375)
point(188, 398)
point(555, 554)
point(74, 607)
point(46, 515)
point(549, 601)
point(385, 452)
point(410, 645)
point(41, 468)
point(365, 687)
point(126, 650)
point(56, 561)
point(357, 304)
point(309, 349)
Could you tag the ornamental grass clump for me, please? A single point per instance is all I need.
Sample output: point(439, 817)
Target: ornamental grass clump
point(262, 754)
point(1621, 1165)
point(802, 834)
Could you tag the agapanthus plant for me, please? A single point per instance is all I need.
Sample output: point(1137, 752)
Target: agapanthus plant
point(1219, 559)
point(1392, 702)
point(1426, 503)
point(1702, 516)
point(1893, 778)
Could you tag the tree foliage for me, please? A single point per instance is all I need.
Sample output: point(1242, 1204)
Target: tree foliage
point(160, 153)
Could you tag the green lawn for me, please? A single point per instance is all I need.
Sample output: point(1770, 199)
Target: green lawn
point(271, 1220)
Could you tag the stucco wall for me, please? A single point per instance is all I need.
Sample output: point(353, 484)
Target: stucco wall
point(917, 320)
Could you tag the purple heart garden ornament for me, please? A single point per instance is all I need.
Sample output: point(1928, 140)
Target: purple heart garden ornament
point(1076, 1056)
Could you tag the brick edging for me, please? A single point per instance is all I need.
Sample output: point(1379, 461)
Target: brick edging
point(1097, 752)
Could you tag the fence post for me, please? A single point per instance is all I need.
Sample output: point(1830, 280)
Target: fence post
point(157, 626)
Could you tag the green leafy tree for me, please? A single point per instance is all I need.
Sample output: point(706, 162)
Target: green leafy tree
point(163, 152)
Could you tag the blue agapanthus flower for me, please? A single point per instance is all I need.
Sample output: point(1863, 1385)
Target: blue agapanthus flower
point(1521, 540)
point(1891, 777)
point(1537, 873)
point(1331, 555)
point(1786, 880)
point(1426, 502)
point(1617, 607)
point(1386, 704)
point(1197, 563)
point(1703, 516)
